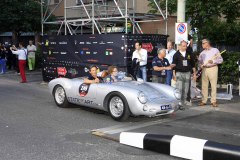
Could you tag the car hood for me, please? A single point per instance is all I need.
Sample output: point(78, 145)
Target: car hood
point(151, 92)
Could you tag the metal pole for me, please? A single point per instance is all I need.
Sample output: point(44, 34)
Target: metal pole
point(159, 9)
point(133, 17)
point(92, 16)
point(166, 21)
point(65, 16)
point(181, 10)
point(126, 16)
point(42, 15)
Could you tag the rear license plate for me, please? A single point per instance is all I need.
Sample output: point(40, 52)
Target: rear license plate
point(166, 107)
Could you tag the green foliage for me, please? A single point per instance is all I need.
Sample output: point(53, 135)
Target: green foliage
point(215, 19)
point(228, 71)
point(172, 6)
point(20, 15)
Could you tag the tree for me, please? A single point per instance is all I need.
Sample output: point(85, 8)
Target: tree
point(207, 14)
point(20, 16)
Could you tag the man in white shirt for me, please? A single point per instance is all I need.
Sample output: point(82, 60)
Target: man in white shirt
point(22, 56)
point(169, 56)
point(140, 55)
point(31, 55)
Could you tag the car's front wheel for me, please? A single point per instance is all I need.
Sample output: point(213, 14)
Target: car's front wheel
point(118, 107)
point(60, 97)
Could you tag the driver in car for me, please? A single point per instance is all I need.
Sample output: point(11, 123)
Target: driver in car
point(93, 78)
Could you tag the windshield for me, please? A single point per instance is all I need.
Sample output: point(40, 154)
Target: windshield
point(123, 76)
point(120, 77)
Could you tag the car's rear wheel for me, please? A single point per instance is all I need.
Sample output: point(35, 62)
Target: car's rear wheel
point(60, 97)
point(118, 107)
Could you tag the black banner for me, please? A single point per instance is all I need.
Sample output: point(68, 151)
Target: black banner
point(70, 56)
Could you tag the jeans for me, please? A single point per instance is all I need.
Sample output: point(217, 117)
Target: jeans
point(169, 75)
point(3, 66)
point(143, 71)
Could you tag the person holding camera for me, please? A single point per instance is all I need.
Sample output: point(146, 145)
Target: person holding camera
point(22, 57)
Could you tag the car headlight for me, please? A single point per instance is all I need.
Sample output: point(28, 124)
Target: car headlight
point(142, 98)
point(177, 93)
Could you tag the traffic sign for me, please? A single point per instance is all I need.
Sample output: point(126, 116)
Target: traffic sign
point(181, 28)
point(180, 32)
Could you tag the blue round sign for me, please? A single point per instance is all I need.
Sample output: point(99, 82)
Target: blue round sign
point(181, 28)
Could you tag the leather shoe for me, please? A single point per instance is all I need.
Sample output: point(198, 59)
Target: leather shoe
point(202, 104)
point(214, 104)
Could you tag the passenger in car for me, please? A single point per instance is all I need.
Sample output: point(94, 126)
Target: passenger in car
point(93, 78)
point(112, 75)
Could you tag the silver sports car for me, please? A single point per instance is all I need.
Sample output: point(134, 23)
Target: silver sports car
point(121, 99)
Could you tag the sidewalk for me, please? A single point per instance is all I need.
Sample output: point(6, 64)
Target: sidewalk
point(32, 76)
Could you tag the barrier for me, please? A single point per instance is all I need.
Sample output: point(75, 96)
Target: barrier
point(181, 146)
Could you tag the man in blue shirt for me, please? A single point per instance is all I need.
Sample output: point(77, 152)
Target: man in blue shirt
point(169, 55)
point(160, 64)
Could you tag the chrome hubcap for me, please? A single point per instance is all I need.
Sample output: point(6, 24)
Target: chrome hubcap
point(116, 106)
point(60, 95)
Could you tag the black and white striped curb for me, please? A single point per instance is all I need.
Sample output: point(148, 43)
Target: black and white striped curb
point(181, 146)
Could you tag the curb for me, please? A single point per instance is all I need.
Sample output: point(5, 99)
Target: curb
point(181, 146)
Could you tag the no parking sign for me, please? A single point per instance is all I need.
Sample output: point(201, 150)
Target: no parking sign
point(180, 32)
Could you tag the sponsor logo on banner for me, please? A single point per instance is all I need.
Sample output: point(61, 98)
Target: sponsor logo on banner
point(75, 42)
point(88, 52)
point(109, 42)
point(73, 72)
point(83, 89)
point(95, 52)
point(81, 52)
point(102, 42)
point(47, 43)
point(147, 46)
point(61, 71)
point(88, 43)
point(81, 43)
point(107, 52)
point(63, 52)
point(55, 52)
point(53, 43)
point(86, 69)
point(94, 42)
point(62, 43)
point(92, 60)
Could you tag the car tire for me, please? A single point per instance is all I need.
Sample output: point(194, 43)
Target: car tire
point(118, 106)
point(60, 97)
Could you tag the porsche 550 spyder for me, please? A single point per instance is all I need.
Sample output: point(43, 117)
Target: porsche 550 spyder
point(121, 99)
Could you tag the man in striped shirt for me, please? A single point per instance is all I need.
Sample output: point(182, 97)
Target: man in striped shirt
point(209, 59)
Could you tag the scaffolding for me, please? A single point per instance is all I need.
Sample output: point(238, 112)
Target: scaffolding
point(97, 16)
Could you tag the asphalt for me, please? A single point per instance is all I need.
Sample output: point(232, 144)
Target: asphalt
point(219, 124)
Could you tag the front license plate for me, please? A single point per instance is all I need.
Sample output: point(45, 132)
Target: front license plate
point(166, 107)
